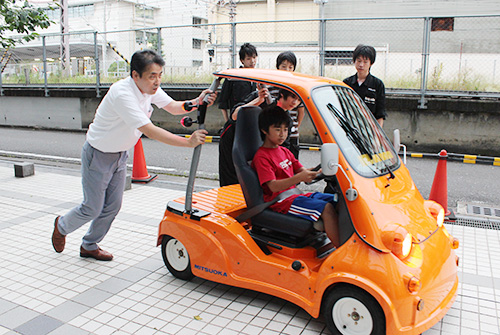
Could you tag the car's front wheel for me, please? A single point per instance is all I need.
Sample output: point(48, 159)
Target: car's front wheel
point(349, 310)
point(176, 258)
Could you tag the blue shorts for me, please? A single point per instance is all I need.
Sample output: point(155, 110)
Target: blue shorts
point(311, 206)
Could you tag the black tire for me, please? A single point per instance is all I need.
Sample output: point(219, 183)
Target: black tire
point(348, 310)
point(176, 258)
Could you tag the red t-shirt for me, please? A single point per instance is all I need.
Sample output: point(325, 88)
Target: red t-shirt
point(275, 164)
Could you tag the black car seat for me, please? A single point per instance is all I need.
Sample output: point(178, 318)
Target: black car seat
point(246, 142)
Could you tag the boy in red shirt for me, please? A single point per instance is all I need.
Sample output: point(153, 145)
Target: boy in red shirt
point(279, 170)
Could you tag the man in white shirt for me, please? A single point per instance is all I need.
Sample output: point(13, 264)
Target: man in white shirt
point(121, 118)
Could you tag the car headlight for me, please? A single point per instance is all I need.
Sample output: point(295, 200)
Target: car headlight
point(406, 247)
point(440, 218)
point(398, 240)
point(436, 211)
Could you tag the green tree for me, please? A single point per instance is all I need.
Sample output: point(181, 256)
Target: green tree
point(23, 19)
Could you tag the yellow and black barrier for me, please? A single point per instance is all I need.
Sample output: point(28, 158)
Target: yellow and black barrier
point(118, 53)
point(213, 139)
point(464, 158)
point(2, 64)
point(468, 159)
point(309, 148)
point(208, 139)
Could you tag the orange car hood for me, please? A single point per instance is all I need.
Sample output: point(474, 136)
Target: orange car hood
point(381, 207)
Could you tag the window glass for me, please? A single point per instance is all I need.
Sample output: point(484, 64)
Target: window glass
point(357, 133)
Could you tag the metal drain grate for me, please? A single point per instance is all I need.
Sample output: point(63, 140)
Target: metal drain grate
point(476, 223)
point(483, 210)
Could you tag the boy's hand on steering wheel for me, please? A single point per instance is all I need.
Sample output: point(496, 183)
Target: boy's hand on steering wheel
point(319, 174)
point(307, 175)
point(316, 168)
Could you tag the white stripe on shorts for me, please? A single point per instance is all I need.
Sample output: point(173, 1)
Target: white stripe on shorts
point(304, 211)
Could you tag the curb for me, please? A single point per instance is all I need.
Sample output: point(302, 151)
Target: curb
point(77, 161)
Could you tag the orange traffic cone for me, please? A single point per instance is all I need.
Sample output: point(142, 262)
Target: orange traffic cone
point(439, 189)
point(139, 170)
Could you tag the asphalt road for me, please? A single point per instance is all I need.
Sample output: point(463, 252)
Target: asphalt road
point(467, 183)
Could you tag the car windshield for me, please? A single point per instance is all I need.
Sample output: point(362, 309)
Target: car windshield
point(357, 133)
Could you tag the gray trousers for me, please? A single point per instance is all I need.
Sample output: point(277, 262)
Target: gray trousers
point(103, 181)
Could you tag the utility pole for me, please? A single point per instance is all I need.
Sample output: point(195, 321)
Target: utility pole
point(105, 40)
point(144, 34)
point(232, 10)
point(231, 4)
point(271, 16)
point(322, 35)
point(232, 15)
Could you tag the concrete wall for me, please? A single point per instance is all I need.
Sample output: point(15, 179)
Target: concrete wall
point(464, 126)
point(60, 113)
point(457, 125)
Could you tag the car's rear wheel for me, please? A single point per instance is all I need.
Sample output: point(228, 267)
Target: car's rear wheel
point(176, 258)
point(349, 310)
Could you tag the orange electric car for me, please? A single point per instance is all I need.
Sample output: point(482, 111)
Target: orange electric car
point(395, 271)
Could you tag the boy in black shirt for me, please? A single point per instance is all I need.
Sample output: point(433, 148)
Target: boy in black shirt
point(287, 61)
point(369, 88)
point(234, 91)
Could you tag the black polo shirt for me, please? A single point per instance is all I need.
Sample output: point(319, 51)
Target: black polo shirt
point(233, 92)
point(372, 92)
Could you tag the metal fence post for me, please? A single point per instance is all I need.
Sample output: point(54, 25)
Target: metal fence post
point(322, 42)
point(425, 62)
point(46, 89)
point(97, 71)
point(233, 45)
point(158, 46)
point(1, 86)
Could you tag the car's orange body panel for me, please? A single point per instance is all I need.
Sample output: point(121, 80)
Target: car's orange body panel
point(221, 249)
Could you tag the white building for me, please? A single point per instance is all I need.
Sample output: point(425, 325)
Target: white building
point(120, 28)
point(460, 47)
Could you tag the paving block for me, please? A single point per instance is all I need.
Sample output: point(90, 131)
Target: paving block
point(24, 169)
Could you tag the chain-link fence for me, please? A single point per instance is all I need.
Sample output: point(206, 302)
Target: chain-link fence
point(422, 55)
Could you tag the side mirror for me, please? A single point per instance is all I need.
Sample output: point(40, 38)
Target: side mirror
point(329, 159)
point(330, 165)
point(397, 140)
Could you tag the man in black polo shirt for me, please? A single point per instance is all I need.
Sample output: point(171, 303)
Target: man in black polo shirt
point(369, 88)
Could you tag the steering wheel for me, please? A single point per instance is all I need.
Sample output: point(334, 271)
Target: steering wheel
point(319, 177)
